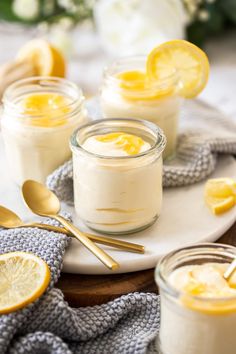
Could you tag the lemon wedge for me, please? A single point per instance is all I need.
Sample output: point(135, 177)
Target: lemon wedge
point(47, 60)
point(220, 194)
point(23, 278)
point(220, 205)
point(186, 59)
point(221, 187)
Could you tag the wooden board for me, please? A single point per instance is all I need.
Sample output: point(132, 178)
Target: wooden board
point(89, 290)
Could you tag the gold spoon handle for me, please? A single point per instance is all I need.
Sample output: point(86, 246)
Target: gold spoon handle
point(230, 270)
point(108, 241)
point(107, 260)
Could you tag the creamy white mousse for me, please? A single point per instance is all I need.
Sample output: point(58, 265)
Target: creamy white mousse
point(118, 185)
point(203, 318)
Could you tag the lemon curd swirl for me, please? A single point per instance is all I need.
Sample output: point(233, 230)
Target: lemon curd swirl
point(116, 144)
point(47, 109)
point(205, 281)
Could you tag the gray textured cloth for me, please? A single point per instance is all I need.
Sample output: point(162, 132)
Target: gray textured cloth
point(125, 325)
point(204, 133)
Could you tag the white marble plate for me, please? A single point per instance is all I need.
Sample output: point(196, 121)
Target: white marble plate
point(184, 220)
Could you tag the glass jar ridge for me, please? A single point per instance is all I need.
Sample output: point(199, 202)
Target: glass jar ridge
point(118, 194)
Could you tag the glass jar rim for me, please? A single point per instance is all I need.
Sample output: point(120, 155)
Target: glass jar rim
point(47, 82)
point(156, 84)
point(165, 285)
point(158, 145)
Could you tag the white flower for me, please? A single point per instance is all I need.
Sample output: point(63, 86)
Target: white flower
point(128, 27)
point(26, 9)
point(203, 15)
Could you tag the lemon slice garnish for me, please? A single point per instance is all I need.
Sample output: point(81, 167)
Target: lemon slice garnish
point(47, 60)
point(23, 278)
point(220, 205)
point(221, 187)
point(190, 63)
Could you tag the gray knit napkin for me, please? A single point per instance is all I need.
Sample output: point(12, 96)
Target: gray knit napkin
point(49, 326)
point(204, 134)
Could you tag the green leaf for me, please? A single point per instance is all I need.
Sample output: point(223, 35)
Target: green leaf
point(216, 19)
point(228, 7)
point(196, 33)
point(6, 12)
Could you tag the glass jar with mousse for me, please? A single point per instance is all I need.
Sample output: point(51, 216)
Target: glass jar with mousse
point(198, 306)
point(127, 93)
point(117, 166)
point(39, 116)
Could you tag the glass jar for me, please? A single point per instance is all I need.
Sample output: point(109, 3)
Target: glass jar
point(118, 194)
point(37, 142)
point(158, 103)
point(198, 324)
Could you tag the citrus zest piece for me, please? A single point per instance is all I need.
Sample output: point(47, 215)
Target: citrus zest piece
point(128, 142)
point(46, 59)
point(23, 277)
point(188, 61)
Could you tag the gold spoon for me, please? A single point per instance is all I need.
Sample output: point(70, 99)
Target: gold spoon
point(9, 219)
point(43, 202)
point(230, 270)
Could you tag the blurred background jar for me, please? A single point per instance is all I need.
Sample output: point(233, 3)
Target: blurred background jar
point(126, 93)
point(39, 115)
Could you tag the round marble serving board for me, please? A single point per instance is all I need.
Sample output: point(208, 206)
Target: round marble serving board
point(184, 220)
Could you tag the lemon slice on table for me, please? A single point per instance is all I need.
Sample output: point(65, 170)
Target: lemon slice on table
point(47, 60)
point(189, 61)
point(220, 194)
point(23, 278)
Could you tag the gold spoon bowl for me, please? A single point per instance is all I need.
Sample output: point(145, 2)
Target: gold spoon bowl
point(44, 202)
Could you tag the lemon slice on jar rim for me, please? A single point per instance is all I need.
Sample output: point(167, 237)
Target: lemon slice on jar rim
point(23, 277)
point(189, 61)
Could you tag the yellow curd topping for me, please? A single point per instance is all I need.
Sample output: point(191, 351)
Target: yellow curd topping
point(116, 144)
point(206, 282)
point(45, 108)
point(137, 86)
point(128, 142)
